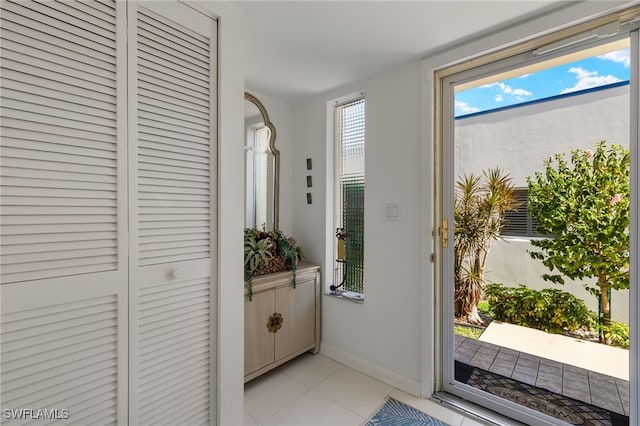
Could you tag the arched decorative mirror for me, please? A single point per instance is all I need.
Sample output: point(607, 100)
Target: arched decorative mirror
point(262, 187)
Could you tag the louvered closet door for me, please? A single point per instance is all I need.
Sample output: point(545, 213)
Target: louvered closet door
point(173, 192)
point(63, 247)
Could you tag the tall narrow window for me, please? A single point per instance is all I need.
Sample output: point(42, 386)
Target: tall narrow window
point(349, 192)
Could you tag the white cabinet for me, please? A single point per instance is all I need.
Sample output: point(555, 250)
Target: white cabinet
point(281, 322)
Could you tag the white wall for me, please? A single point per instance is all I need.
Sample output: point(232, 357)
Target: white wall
point(280, 115)
point(392, 335)
point(519, 139)
point(231, 48)
point(384, 330)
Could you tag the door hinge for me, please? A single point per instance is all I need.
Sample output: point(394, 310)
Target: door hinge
point(433, 258)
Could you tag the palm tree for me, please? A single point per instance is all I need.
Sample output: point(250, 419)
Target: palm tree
point(479, 206)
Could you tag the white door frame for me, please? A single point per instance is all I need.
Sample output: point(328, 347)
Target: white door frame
point(442, 158)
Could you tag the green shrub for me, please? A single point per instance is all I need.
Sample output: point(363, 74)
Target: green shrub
point(618, 333)
point(470, 332)
point(483, 306)
point(550, 310)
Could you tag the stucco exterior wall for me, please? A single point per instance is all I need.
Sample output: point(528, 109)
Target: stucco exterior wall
point(519, 139)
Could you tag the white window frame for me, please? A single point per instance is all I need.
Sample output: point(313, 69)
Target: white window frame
point(331, 224)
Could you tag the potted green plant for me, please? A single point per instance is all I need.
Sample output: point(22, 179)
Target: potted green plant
point(269, 252)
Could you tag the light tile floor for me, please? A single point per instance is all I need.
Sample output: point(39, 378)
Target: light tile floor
point(314, 390)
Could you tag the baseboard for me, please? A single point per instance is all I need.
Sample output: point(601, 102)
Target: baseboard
point(389, 377)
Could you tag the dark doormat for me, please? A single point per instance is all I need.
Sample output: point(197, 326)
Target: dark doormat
point(560, 407)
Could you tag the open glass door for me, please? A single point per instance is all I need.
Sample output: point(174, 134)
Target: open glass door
point(534, 218)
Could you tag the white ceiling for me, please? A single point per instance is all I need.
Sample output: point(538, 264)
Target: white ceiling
point(300, 48)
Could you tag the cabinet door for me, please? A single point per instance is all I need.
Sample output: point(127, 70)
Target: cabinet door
point(298, 309)
point(258, 341)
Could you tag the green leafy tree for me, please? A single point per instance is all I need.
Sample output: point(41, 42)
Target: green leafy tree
point(479, 206)
point(583, 207)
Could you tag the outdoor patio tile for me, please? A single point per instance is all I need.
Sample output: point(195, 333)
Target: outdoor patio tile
point(573, 369)
point(526, 356)
point(554, 367)
point(623, 385)
point(549, 384)
point(624, 396)
point(472, 343)
point(529, 379)
point(506, 358)
point(485, 355)
point(608, 399)
point(487, 350)
point(614, 405)
point(575, 381)
point(599, 377)
point(508, 354)
point(548, 370)
point(503, 370)
point(481, 362)
point(577, 394)
point(549, 363)
point(599, 387)
point(527, 363)
point(504, 364)
point(457, 340)
point(625, 406)
point(526, 370)
point(465, 347)
point(464, 358)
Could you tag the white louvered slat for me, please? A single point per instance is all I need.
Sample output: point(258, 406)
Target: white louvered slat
point(40, 84)
point(58, 156)
point(61, 357)
point(40, 58)
point(37, 107)
point(65, 13)
point(94, 58)
point(177, 104)
point(26, 14)
point(173, 352)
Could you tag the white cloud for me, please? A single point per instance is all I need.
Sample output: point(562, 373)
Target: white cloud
point(465, 108)
point(499, 98)
point(588, 79)
point(508, 90)
point(621, 56)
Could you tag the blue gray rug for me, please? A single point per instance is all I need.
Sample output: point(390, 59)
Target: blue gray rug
point(394, 413)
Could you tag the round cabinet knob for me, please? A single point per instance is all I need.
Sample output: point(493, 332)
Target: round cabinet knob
point(178, 273)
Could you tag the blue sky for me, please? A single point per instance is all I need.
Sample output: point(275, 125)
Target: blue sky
point(591, 72)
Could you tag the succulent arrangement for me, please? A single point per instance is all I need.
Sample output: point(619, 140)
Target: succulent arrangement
point(268, 252)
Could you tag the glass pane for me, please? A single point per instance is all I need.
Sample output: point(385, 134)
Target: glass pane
point(350, 151)
point(541, 235)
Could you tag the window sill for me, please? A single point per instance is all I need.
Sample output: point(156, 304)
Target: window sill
point(339, 296)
